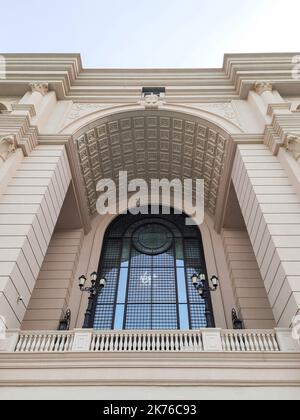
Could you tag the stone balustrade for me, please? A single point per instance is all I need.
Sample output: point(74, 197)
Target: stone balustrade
point(208, 340)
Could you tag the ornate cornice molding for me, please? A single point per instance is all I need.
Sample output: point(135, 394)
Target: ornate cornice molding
point(263, 86)
point(40, 87)
point(8, 146)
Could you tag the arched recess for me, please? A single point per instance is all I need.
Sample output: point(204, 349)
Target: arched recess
point(148, 144)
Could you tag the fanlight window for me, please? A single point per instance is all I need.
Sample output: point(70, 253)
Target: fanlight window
point(148, 262)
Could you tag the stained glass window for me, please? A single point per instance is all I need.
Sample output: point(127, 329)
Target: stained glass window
point(148, 262)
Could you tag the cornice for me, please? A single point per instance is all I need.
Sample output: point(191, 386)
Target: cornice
point(66, 76)
point(178, 369)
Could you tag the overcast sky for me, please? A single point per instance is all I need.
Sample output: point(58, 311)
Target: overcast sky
point(150, 33)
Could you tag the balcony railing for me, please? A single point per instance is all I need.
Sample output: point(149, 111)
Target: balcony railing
point(212, 340)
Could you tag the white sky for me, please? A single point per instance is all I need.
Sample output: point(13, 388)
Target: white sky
point(150, 33)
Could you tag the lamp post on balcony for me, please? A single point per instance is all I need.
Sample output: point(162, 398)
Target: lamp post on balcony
point(200, 283)
point(93, 291)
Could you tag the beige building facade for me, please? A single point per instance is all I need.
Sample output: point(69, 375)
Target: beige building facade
point(64, 128)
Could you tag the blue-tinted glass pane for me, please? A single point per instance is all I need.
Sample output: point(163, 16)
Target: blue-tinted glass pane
point(108, 293)
point(184, 317)
point(104, 317)
point(140, 285)
point(179, 252)
point(122, 285)
point(198, 318)
point(181, 284)
point(138, 317)
point(164, 317)
point(164, 285)
point(112, 252)
point(125, 252)
point(119, 317)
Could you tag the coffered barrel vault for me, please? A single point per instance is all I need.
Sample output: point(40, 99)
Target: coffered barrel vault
point(152, 145)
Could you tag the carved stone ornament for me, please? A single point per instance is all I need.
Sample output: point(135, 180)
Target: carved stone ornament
point(152, 101)
point(40, 87)
point(7, 147)
point(261, 87)
point(293, 145)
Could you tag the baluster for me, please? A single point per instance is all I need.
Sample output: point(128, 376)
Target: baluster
point(139, 342)
point(101, 342)
point(149, 342)
point(28, 343)
point(63, 343)
point(270, 343)
point(107, 345)
point(176, 342)
point(117, 342)
point(168, 342)
point(232, 342)
point(242, 344)
point(255, 342)
point(200, 339)
point(260, 342)
point(38, 342)
point(19, 344)
point(56, 343)
point(47, 343)
point(43, 343)
point(185, 343)
point(227, 341)
point(125, 341)
point(130, 343)
point(134, 343)
point(265, 343)
point(180, 342)
point(237, 340)
point(172, 343)
point(251, 342)
point(93, 343)
point(163, 342)
point(67, 343)
point(195, 343)
point(274, 341)
point(96, 343)
point(33, 343)
point(247, 344)
point(112, 342)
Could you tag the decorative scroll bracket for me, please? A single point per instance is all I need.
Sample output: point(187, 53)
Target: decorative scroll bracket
point(8, 146)
point(292, 144)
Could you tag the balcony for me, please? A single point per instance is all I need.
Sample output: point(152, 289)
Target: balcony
point(208, 340)
point(149, 361)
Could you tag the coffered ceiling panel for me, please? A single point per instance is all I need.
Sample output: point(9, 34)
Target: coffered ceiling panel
point(152, 145)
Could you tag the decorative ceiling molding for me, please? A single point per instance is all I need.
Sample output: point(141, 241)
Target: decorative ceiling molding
point(225, 110)
point(79, 110)
point(152, 145)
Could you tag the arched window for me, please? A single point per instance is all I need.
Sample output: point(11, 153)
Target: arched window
point(148, 262)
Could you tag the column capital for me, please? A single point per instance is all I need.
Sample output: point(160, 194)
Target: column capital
point(292, 144)
point(263, 86)
point(8, 146)
point(40, 87)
